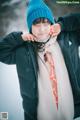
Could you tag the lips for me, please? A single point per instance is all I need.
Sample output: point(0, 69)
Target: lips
point(43, 35)
point(43, 38)
point(40, 34)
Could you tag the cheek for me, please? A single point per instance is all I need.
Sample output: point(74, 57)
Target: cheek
point(34, 30)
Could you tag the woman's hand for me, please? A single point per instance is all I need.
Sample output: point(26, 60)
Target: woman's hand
point(28, 37)
point(55, 29)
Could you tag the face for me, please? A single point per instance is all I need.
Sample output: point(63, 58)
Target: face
point(41, 29)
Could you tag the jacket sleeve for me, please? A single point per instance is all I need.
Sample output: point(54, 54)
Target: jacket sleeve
point(70, 22)
point(8, 46)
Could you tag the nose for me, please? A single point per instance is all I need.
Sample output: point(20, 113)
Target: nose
point(42, 28)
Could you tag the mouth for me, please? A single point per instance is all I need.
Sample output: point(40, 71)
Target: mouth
point(42, 43)
point(43, 39)
point(40, 34)
point(43, 35)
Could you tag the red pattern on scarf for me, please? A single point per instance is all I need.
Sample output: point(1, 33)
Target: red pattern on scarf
point(48, 58)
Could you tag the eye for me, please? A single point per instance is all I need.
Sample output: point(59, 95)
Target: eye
point(37, 21)
point(46, 21)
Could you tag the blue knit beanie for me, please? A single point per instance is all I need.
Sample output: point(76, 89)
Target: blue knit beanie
point(37, 9)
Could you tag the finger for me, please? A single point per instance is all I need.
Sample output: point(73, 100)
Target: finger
point(51, 32)
point(35, 38)
point(54, 34)
point(30, 38)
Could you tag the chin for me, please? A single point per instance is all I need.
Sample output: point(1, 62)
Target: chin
point(43, 39)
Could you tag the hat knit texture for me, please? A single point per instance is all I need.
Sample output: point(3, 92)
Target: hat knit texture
point(38, 9)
